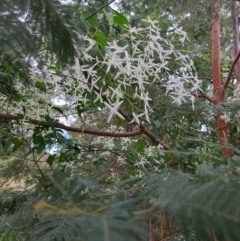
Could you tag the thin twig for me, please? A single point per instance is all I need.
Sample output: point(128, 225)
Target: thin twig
point(36, 164)
point(204, 96)
point(226, 83)
point(230, 87)
point(107, 4)
point(90, 4)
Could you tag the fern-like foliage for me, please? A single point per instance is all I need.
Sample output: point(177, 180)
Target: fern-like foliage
point(80, 216)
point(115, 224)
point(207, 202)
point(203, 204)
point(31, 27)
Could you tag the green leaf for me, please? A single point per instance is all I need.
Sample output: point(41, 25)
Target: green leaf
point(68, 142)
point(139, 146)
point(41, 147)
point(109, 17)
point(100, 38)
point(133, 159)
point(119, 120)
point(80, 109)
point(24, 109)
point(100, 161)
point(50, 121)
point(17, 143)
point(85, 23)
point(41, 86)
point(37, 139)
point(157, 123)
point(6, 142)
point(120, 20)
point(51, 159)
point(57, 109)
point(91, 20)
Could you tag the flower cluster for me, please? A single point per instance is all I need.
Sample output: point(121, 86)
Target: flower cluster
point(141, 61)
point(138, 59)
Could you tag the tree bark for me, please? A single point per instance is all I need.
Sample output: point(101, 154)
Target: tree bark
point(219, 91)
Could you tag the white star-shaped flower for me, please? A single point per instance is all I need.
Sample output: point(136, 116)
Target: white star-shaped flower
point(114, 110)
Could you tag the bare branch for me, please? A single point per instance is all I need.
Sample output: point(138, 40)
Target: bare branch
point(204, 96)
point(143, 129)
point(71, 129)
point(226, 83)
point(230, 87)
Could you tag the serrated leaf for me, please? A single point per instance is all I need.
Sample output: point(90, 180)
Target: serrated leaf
point(17, 143)
point(120, 20)
point(100, 38)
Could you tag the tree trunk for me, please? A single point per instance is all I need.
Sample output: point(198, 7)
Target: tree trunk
point(219, 91)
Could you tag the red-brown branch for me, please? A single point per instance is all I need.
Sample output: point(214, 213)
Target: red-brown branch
point(219, 88)
point(204, 96)
point(71, 129)
point(226, 83)
point(143, 129)
point(163, 226)
point(148, 133)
